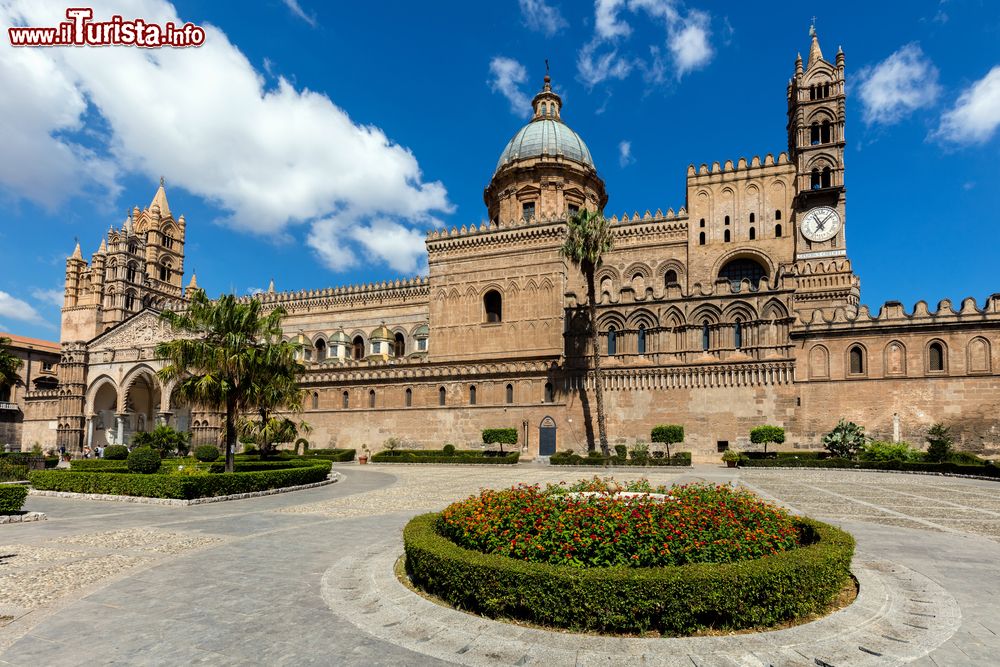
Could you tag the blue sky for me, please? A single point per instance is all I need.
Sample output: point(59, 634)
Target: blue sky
point(316, 142)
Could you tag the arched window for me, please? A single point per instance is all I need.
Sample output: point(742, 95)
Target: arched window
point(701, 238)
point(826, 90)
point(825, 132)
point(642, 339)
point(510, 394)
point(358, 347)
point(133, 247)
point(704, 336)
point(935, 355)
point(168, 240)
point(371, 398)
point(857, 360)
point(315, 400)
point(346, 401)
point(472, 394)
point(777, 214)
point(738, 334)
point(549, 393)
point(409, 397)
point(442, 395)
point(670, 277)
point(753, 233)
point(826, 178)
point(493, 305)
point(612, 346)
point(777, 231)
point(701, 223)
point(164, 272)
point(727, 237)
point(130, 272)
point(814, 134)
point(129, 301)
point(738, 269)
point(814, 179)
point(812, 92)
point(753, 218)
point(320, 350)
point(727, 219)
point(398, 345)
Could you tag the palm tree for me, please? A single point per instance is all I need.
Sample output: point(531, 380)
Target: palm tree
point(589, 236)
point(222, 364)
point(274, 388)
point(9, 365)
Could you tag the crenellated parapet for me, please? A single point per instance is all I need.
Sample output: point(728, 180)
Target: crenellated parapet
point(420, 371)
point(741, 167)
point(892, 314)
point(383, 292)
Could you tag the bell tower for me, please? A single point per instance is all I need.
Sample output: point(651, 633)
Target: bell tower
point(816, 142)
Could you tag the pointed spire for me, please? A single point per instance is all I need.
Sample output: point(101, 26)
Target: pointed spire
point(127, 227)
point(76, 252)
point(160, 200)
point(270, 287)
point(103, 248)
point(815, 53)
point(194, 281)
point(798, 63)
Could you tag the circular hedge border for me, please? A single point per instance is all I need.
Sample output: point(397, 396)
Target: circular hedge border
point(678, 600)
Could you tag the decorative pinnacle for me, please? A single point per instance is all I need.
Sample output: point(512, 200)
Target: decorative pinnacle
point(812, 28)
point(161, 182)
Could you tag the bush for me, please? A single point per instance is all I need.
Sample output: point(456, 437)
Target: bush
point(449, 450)
point(845, 439)
point(878, 450)
point(672, 600)
point(98, 465)
point(500, 436)
point(207, 453)
point(730, 456)
point(115, 453)
point(12, 472)
point(570, 458)
point(336, 455)
point(12, 497)
point(621, 452)
point(640, 453)
point(439, 456)
point(966, 458)
point(668, 434)
point(767, 434)
point(939, 443)
point(165, 439)
point(178, 486)
point(144, 460)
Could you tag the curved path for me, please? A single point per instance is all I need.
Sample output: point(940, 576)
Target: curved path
point(283, 579)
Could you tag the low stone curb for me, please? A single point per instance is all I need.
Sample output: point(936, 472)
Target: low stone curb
point(23, 517)
point(334, 477)
point(900, 472)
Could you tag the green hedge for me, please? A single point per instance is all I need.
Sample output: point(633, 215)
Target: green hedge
point(12, 497)
point(335, 455)
point(906, 466)
point(573, 459)
point(177, 486)
point(672, 600)
point(438, 456)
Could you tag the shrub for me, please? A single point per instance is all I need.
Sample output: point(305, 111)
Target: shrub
point(767, 434)
point(12, 472)
point(391, 444)
point(671, 600)
point(144, 460)
point(115, 452)
point(730, 455)
point(338, 455)
point(939, 443)
point(668, 434)
point(621, 452)
point(165, 439)
point(250, 448)
point(845, 439)
point(438, 456)
point(877, 450)
point(640, 453)
point(449, 450)
point(594, 458)
point(207, 453)
point(500, 436)
point(966, 458)
point(12, 497)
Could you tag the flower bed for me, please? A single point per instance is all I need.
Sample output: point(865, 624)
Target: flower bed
point(704, 558)
point(439, 456)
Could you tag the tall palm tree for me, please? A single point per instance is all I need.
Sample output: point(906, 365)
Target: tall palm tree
point(588, 237)
point(9, 365)
point(230, 347)
point(275, 388)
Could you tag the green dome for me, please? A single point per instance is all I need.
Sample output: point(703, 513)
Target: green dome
point(546, 137)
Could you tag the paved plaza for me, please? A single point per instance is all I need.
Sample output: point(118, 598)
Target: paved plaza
point(305, 578)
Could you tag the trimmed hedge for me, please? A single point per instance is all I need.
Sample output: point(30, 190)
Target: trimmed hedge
point(573, 459)
point(335, 455)
point(438, 456)
point(207, 453)
point(115, 453)
point(672, 600)
point(177, 486)
point(906, 466)
point(12, 497)
point(95, 465)
point(144, 460)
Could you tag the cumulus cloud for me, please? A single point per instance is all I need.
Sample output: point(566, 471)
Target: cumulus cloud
point(296, 9)
point(976, 115)
point(594, 67)
point(50, 297)
point(607, 25)
point(506, 77)
point(21, 311)
point(625, 153)
point(897, 86)
point(269, 156)
point(689, 42)
point(542, 17)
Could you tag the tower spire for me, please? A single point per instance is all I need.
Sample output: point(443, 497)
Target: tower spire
point(546, 104)
point(815, 53)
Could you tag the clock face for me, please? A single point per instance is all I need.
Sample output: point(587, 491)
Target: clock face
point(820, 224)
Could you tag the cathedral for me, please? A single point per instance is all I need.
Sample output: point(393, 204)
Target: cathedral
point(737, 309)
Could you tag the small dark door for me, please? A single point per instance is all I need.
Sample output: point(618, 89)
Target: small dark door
point(547, 437)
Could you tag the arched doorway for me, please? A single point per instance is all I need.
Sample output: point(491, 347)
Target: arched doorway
point(103, 427)
point(142, 403)
point(547, 437)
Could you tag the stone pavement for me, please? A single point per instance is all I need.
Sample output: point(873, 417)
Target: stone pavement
point(257, 581)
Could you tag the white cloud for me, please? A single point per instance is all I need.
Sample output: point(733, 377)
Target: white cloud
point(542, 17)
point(897, 86)
point(689, 42)
point(270, 157)
point(399, 247)
point(50, 297)
point(16, 309)
point(606, 22)
point(625, 153)
point(507, 76)
point(296, 9)
point(593, 68)
point(976, 114)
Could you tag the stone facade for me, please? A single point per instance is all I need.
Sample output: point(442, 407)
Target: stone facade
point(37, 382)
point(737, 309)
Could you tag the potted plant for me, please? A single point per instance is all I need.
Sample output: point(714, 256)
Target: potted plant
point(731, 457)
point(363, 457)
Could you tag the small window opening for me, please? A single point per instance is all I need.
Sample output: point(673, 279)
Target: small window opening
point(528, 210)
point(442, 394)
point(612, 343)
point(409, 397)
point(642, 339)
point(510, 394)
point(346, 400)
point(371, 398)
point(472, 395)
point(936, 357)
point(493, 304)
point(549, 393)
